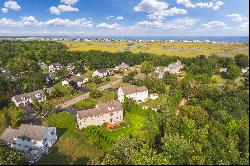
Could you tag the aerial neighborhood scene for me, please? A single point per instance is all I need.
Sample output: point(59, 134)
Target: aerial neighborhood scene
point(124, 82)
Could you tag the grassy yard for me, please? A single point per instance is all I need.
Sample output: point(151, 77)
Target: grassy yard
point(71, 147)
point(163, 48)
point(219, 79)
point(78, 147)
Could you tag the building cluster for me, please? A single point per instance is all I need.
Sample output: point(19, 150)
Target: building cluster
point(173, 68)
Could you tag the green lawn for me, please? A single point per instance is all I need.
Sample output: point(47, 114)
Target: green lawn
point(219, 79)
point(71, 147)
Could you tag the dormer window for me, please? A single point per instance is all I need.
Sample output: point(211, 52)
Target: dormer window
point(111, 114)
point(111, 108)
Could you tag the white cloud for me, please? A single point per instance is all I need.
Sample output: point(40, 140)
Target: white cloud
point(176, 24)
point(157, 23)
point(236, 17)
point(120, 18)
point(158, 10)
point(13, 5)
point(66, 22)
point(187, 3)
point(151, 6)
point(8, 22)
point(109, 17)
point(54, 10)
point(31, 21)
point(213, 25)
point(108, 26)
point(61, 9)
point(69, 2)
point(5, 10)
point(166, 13)
point(244, 27)
point(215, 5)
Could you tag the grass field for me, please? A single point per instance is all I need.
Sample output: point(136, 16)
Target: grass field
point(163, 48)
point(70, 148)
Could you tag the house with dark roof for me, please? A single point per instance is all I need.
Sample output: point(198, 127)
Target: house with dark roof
point(34, 141)
point(25, 99)
point(75, 81)
point(159, 73)
point(138, 94)
point(122, 67)
point(111, 112)
point(101, 73)
point(54, 67)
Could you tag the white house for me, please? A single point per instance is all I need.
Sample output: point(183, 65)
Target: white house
point(27, 98)
point(223, 70)
point(138, 94)
point(246, 70)
point(33, 140)
point(70, 67)
point(75, 80)
point(103, 113)
point(159, 73)
point(122, 67)
point(54, 67)
point(174, 68)
point(101, 73)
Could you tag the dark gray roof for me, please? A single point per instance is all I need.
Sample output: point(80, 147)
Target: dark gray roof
point(56, 65)
point(101, 109)
point(130, 89)
point(70, 65)
point(76, 79)
point(102, 70)
point(25, 131)
point(18, 98)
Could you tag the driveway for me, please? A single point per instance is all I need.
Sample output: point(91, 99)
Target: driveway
point(86, 95)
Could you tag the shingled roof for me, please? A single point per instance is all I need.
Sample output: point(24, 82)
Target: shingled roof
point(18, 98)
point(75, 79)
point(101, 109)
point(130, 89)
point(25, 131)
point(123, 66)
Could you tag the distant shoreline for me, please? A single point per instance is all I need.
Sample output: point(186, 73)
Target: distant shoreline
point(241, 39)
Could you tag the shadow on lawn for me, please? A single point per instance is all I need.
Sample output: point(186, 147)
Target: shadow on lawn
point(81, 161)
point(60, 132)
point(55, 157)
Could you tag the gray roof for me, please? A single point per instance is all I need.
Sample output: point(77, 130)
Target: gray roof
point(70, 65)
point(130, 89)
point(101, 109)
point(102, 70)
point(76, 79)
point(25, 131)
point(55, 65)
point(18, 98)
point(123, 66)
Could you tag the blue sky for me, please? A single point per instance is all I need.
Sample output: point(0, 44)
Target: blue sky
point(125, 17)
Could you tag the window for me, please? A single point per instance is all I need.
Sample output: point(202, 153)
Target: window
point(45, 139)
point(111, 114)
point(52, 132)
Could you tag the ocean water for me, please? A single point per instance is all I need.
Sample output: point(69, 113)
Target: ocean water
point(201, 38)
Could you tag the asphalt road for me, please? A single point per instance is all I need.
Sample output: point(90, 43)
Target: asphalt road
point(86, 95)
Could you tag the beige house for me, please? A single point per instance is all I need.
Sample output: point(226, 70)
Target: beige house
point(106, 112)
point(75, 80)
point(122, 67)
point(138, 94)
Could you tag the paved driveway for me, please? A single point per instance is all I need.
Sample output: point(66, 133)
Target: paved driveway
point(86, 95)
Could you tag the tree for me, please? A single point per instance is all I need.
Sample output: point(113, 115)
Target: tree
point(232, 73)
point(242, 60)
point(95, 93)
point(10, 156)
point(170, 79)
point(147, 67)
